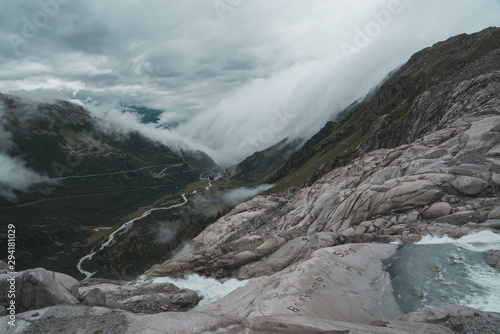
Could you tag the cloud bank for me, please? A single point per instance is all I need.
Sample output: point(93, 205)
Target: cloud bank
point(222, 69)
point(234, 197)
point(164, 233)
point(14, 174)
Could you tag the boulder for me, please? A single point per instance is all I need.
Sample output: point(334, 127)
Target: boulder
point(39, 288)
point(4, 265)
point(495, 213)
point(70, 283)
point(143, 298)
point(461, 218)
point(495, 179)
point(290, 252)
point(244, 257)
point(185, 298)
point(442, 313)
point(380, 222)
point(493, 258)
point(324, 239)
point(270, 245)
point(93, 297)
point(412, 217)
point(437, 210)
point(385, 174)
point(491, 223)
point(470, 185)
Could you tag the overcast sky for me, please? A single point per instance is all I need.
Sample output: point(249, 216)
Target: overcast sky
point(238, 74)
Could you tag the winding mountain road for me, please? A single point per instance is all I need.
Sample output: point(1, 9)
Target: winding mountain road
point(120, 172)
point(126, 226)
point(159, 175)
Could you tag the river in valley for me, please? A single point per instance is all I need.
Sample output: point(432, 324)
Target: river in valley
point(126, 226)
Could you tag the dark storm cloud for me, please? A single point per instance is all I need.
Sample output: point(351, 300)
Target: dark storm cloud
point(229, 69)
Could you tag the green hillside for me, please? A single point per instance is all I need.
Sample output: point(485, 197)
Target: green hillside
point(99, 178)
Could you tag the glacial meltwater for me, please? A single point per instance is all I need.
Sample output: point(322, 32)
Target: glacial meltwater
point(439, 271)
point(209, 288)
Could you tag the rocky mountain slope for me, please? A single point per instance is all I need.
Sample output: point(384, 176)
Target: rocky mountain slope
point(341, 289)
point(446, 180)
point(422, 159)
point(259, 166)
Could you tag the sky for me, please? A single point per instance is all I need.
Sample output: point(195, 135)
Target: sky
point(236, 76)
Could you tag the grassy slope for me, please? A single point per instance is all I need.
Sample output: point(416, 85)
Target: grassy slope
point(155, 238)
point(55, 222)
point(257, 168)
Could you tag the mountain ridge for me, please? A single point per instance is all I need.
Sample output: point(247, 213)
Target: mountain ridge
point(355, 130)
point(91, 176)
point(445, 179)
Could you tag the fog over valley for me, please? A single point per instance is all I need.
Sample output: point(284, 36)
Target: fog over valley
point(250, 166)
point(220, 71)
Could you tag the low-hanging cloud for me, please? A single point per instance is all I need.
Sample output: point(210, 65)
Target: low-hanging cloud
point(164, 233)
point(223, 75)
point(14, 175)
point(234, 197)
point(114, 120)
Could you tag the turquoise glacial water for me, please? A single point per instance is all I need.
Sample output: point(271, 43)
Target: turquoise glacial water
point(445, 271)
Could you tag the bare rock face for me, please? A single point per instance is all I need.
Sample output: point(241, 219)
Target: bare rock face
point(491, 224)
point(442, 313)
point(461, 319)
point(495, 213)
point(4, 265)
point(39, 288)
point(445, 182)
point(493, 258)
point(437, 210)
point(342, 283)
point(85, 319)
point(93, 297)
point(341, 289)
point(470, 185)
point(150, 298)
